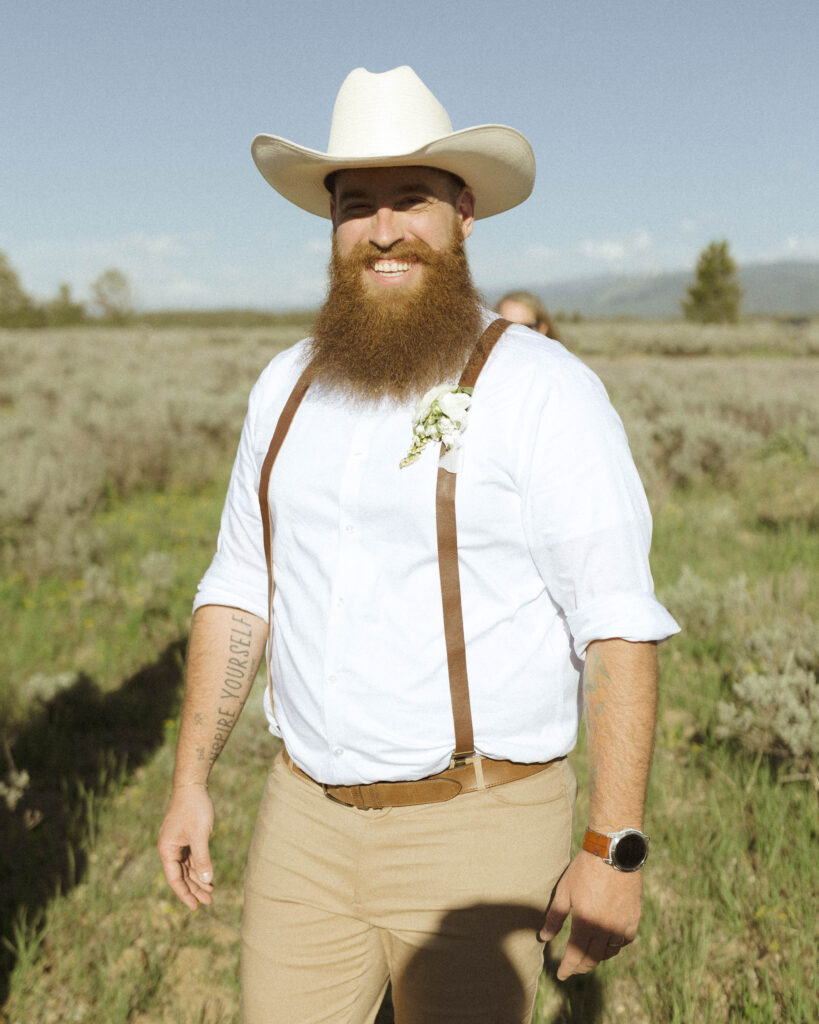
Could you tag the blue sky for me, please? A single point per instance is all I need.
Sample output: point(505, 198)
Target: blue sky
point(657, 126)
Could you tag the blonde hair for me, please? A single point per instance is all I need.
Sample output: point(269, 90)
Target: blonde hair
point(542, 320)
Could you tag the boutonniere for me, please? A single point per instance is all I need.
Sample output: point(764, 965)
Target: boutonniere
point(440, 416)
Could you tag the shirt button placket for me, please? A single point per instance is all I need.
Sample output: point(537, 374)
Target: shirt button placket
point(348, 506)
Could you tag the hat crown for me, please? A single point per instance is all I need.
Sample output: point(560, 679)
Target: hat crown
point(385, 114)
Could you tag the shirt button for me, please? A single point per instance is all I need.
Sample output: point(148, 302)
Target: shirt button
point(349, 528)
point(338, 751)
point(332, 677)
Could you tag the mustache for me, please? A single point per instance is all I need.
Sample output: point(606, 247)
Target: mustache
point(364, 254)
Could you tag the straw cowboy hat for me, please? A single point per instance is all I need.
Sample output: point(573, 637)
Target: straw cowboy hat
point(393, 120)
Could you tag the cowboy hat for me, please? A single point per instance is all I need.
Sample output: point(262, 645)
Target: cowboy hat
point(393, 120)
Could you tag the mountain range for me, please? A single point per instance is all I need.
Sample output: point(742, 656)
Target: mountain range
point(787, 288)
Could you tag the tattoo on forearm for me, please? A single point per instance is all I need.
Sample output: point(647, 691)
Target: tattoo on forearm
point(239, 662)
point(240, 669)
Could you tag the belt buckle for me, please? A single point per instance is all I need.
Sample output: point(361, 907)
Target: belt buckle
point(326, 790)
point(365, 806)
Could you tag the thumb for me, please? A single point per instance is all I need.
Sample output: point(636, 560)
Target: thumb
point(200, 861)
point(555, 916)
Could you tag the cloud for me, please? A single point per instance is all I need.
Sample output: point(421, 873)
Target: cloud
point(619, 252)
point(160, 261)
point(539, 254)
point(607, 250)
point(796, 247)
point(171, 271)
point(316, 247)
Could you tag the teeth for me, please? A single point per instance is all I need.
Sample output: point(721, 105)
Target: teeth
point(390, 267)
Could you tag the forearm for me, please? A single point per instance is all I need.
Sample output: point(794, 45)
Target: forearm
point(225, 648)
point(620, 695)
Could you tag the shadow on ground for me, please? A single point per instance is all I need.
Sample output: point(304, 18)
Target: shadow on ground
point(75, 747)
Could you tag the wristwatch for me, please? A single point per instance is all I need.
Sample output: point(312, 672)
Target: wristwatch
point(625, 850)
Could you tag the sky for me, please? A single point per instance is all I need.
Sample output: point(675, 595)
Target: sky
point(657, 126)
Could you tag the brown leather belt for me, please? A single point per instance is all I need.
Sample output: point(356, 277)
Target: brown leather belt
point(481, 773)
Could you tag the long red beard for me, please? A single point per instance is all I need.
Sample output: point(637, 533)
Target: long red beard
point(396, 345)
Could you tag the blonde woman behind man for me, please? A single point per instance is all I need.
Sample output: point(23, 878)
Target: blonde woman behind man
point(527, 309)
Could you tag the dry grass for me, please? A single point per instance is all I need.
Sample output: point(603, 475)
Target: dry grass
point(90, 415)
point(93, 423)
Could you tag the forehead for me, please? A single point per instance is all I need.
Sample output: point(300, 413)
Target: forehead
point(376, 180)
point(517, 311)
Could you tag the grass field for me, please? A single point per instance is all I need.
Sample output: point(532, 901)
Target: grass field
point(116, 451)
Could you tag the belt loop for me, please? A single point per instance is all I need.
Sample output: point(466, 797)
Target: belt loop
point(477, 764)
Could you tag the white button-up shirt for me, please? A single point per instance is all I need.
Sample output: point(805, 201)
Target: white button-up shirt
point(553, 539)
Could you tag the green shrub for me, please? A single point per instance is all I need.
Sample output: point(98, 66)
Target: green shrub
point(775, 710)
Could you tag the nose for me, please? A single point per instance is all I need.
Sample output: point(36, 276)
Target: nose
point(385, 227)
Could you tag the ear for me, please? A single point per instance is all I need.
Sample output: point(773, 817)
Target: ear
point(333, 212)
point(465, 208)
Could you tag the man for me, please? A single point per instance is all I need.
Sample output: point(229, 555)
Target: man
point(424, 655)
point(526, 308)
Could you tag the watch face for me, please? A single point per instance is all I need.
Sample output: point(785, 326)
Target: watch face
point(630, 852)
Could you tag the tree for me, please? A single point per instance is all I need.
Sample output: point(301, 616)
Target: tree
point(16, 307)
point(715, 295)
point(62, 311)
point(111, 292)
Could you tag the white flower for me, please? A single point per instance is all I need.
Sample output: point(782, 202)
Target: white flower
point(454, 405)
point(439, 416)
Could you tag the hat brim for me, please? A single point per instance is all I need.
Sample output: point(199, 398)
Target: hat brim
point(495, 161)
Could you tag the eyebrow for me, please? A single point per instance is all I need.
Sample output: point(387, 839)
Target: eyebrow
point(402, 190)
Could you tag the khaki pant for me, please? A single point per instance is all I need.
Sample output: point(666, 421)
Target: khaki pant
point(443, 899)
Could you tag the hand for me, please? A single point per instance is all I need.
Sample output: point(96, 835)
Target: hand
point(183, 845)
point(605, 908)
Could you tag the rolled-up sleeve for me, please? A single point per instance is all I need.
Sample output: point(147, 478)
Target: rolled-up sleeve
point(237, 576)
point(587, 518)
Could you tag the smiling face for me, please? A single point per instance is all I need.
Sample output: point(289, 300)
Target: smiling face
point(401, 312)
point(387, 211)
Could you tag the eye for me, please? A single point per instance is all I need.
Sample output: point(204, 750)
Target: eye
point(356, 209)
point(412, 202)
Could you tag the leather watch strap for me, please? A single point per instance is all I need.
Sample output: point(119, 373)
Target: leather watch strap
point(597, 843)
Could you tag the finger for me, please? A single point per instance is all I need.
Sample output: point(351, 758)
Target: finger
point(575, 954)
point(613, 946)
point(576, 960)
point(175, 877)
point(200, 865)
point(587, 947)
point(201, 890)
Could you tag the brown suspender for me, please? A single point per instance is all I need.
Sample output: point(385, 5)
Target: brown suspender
point(448, 565)
point(279, 434)
point(447, 544)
